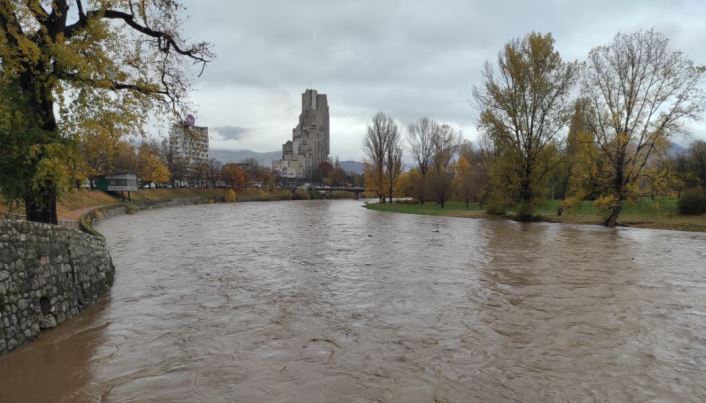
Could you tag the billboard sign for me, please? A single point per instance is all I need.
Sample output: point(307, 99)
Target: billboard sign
point(190, 121)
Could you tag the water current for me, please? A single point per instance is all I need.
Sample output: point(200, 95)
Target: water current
point(325, 301)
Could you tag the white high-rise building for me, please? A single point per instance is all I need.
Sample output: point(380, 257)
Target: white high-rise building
point(189, 143)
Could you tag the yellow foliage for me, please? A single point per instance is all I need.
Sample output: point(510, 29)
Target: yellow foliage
point(606, 203)
point(150, 167)
point(230, 195)
point(570, 204)
point(405, 184)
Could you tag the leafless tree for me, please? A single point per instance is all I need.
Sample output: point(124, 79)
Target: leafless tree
point(393, 162)
point(640, 93)
point(445, 141)
point(419, 137)
point(214, 171)
point(375, 146)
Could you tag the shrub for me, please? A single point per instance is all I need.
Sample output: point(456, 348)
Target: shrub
point(281, 195)
point(497, 206)
point(315, 194)
point(569, 205)
point(301, 195)
point(692, 201)
point(230, 196)
point(605, 204)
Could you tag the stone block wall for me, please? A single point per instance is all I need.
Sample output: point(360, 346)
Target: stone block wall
point(47, 275)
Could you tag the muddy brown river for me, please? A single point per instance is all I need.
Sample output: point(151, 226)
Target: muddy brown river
point(324, 301)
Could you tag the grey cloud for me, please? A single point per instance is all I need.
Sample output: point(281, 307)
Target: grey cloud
point(410, 58)
point(231, 132)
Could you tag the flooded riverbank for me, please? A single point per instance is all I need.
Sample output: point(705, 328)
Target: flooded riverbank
point(326, 301)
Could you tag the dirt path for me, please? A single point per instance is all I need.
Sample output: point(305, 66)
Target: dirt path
point(76, 214)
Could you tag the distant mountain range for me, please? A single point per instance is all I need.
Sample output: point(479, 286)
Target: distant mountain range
point(352, 166)
point(226, 156)
point(266, 158)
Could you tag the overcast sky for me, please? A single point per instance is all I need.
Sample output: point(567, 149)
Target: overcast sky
point(407, 58)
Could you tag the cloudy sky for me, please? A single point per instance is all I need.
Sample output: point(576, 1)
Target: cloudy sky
point(407, 58)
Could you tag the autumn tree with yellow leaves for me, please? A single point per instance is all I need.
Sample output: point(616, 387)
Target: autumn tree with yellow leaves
point(150, 167)
point(523, 104)
point(640, 92)
point(61, 61)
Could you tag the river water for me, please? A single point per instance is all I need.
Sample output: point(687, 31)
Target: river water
point(324, 301)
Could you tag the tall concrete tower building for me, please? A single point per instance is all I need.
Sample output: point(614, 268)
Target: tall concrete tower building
point(309, 146)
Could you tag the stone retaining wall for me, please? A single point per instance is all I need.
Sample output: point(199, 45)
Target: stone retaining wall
point(47, 275)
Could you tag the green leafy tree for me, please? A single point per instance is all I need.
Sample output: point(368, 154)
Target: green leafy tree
point(523, 110)
point(60, 61)
point(690, 166)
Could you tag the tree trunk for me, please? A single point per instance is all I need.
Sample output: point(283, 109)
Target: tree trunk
point(612, 219)
point(525, 212)
point(618, 187)
point(40, 198)
point(40, 204)
point(467, 204)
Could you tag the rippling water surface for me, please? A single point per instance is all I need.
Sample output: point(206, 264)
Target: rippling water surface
point(320, 301)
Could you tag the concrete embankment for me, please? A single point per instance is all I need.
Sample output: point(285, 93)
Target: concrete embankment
point(48, 274)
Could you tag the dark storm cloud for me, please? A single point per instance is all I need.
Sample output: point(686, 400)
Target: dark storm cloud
point(231, 132)
point(410, 58)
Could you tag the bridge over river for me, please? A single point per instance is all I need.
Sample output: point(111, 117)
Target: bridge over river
point(294, 185)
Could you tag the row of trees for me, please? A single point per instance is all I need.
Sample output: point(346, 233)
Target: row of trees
point(332, 173)
point(609, 144)
point(433, 148)
point(635, 94)
point(155, 163)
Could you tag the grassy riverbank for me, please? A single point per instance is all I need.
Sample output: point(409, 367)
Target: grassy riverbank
point(645, 213)
point(72, 205)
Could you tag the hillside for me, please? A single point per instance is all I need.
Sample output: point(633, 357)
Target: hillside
point(352, 166)
point(226, 156)
point(266, 158)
